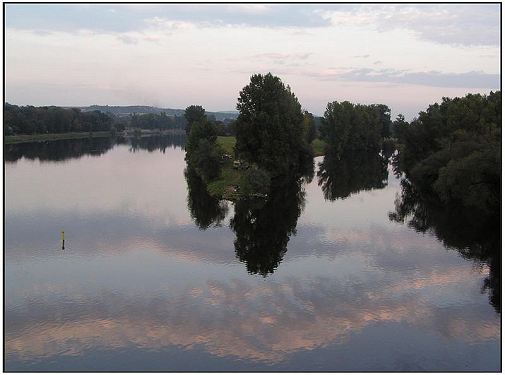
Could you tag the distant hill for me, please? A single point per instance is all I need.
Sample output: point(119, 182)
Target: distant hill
point(121, 111)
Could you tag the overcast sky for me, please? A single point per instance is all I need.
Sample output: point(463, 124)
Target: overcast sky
point(405, 56)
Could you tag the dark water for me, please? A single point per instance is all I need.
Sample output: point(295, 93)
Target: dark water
point(332, 274)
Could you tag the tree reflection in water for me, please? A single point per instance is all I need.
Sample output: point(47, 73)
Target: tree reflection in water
point(263, 227)
point(341, 175)
point(204, 209)
point(66, 149)
point(474, 235)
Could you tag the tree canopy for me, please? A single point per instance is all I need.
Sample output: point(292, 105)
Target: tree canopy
point(193, 113)
point(453, 149)
point(40, 120)
point(269, 128)
point(347, 126)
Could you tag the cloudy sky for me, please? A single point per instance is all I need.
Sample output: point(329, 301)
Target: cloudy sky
point(405, 56)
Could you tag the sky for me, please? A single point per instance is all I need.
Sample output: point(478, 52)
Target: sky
point(174, 55)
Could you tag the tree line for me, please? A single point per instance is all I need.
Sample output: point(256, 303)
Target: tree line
point(52, 119)
point(453, 151)
point(41, 120)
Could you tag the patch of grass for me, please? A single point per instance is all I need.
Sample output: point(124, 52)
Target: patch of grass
point(318, 147)
point(223, 186)
point(227, 144)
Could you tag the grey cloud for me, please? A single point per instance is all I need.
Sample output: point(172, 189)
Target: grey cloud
point(362, 56)
point(471, 79)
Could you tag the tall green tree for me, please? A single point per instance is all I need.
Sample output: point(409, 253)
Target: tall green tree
point(192, 114)
point(309, 127)
point(269, 128)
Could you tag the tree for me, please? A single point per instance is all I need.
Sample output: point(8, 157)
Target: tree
point(349, 127)
point(269, 128)
point(309, 126)
point(192, 114)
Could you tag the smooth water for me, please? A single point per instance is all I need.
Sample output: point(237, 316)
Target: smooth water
point(156, 275)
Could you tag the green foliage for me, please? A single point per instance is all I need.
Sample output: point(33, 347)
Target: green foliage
point(269, 128)
point(200, 130)
point(453, 150)
point(254, 181)
point(193, 113)
point(348, 126)
point(309, 127)
point(155, 121)
point(202, 152)
point(205, 160)
point(42, 120)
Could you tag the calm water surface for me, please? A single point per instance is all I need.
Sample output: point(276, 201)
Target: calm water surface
point(156, 275)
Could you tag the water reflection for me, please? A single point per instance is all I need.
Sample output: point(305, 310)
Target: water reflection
point(263, 227)
point(157, 142)
point(139, 287)
point(343, 175)
point(66, 149)
point(473, 235)
point(204, 209)
point(60, 150)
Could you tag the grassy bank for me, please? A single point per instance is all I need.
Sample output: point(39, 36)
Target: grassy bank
point(318, 147)
point(20, 138)
point(224, 186)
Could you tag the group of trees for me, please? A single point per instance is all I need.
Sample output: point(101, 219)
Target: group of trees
point(202, 152)
point(156, 121)
point(348, 127)
point(451, 160)
point(453, 150)
point(41, 120)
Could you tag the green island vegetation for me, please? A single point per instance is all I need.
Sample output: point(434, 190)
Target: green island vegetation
point(274, 138)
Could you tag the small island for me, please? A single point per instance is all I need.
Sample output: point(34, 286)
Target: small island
point(274, 139)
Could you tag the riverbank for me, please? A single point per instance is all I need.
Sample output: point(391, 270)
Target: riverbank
point(22, 138)
point(227, 186)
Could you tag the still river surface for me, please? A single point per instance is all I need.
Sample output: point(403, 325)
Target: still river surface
point(154, 275)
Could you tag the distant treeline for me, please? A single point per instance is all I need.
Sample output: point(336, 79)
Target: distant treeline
point(42, 120)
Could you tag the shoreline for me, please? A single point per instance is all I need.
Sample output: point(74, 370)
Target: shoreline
point(26, 138)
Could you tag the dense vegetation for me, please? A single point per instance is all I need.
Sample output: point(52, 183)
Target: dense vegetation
point(29, 120)
point(348, 127)
point(452, 150)
point(40, 120)
point(451, 159)
point(158, 121)
point(270, 127)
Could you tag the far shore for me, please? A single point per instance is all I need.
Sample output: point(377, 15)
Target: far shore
point(24, 138)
